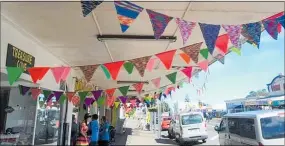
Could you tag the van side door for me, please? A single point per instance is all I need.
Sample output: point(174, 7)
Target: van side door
point(222, 132)
point(234, 131)
point(248, 134)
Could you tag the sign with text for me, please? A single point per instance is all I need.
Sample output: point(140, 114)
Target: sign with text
point(19, 58)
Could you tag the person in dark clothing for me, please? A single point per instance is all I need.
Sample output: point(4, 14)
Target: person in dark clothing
point(74, 131)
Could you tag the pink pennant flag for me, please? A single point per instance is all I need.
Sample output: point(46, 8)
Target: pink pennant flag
point(138, 87)
point(150, 64)
point(234, 32)
point(156, 82)
point(133, 102)
point(185, 29)
point(65, 73)
point(57, 73)
point(188, 72)
point(204, 65)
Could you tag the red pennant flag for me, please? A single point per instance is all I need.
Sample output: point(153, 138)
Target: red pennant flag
point(110, 101)
point(114, 68)
point(110, 92)
point(138, 87)
point(279, 27)
point(166, 58)
point(222, 43)
point(187, 71)
point(35, 93)
point(37, 73)
point(70, 95)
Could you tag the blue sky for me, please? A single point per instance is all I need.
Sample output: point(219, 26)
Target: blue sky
point(240, 74)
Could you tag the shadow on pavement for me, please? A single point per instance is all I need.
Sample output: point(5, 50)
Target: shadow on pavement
point(121, 139)
point(165, 141)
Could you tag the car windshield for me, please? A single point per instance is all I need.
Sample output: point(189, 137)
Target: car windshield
point(191, 119)
point(272, 127)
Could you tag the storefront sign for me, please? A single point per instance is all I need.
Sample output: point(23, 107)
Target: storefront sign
point(277, 84)
point(19, 58)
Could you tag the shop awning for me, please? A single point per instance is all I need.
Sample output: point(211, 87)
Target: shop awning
point(278, 103)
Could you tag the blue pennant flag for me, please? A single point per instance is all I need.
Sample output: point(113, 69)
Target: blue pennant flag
point(210, 33)
point(270, 26)
point(281, 20)
point(252, 32)
point(89, 6)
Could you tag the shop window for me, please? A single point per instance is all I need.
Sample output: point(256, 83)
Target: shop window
point(248, 128)
point(233, 124)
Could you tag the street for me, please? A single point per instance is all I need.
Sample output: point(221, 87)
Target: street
point(134, 136)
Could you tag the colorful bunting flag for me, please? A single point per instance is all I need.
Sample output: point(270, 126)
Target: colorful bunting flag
point(65, 73)
point(150, 64)
point(89, 6)
point(23, 89)
point(57, 73)
point(106, 72)
point(233, 32)
point(57, 94)
point(70, 95)
point(37, 73)
point(110, 92)
point(88, 101)
point(138, 87)
point(222, 43)
point(123, 99)
point(140, 64)
point(159, 22)
point(101, 101)
point(62, 99)
point(185, 57)
point(129, 67)
point(270, 26)
point(82, 95)
point(50, 97)
point(133, 102)
point(88, 71)
point(127, 12)
point(116, 104)
point(97, 94)
point(281, 20)
point(124, 90)
point(75, 100)
point(236, 50)
point(204, 53)
point(185, 29)
point(204, 65)
point(156, 82)
point(166, 58)
point(210, 33)
point(220, 58)
point(114, 68)
point(192, 51)
point(187, 71)
point(46, 93)
point(110, 101)
point(172, 77)
point(35, 93)
point(14, 74)
point(252, 32)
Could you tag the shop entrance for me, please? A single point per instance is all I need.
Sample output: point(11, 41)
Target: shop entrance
point(4, 100)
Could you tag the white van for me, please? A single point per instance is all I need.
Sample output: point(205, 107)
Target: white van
point(190, 127)
point(265, 127)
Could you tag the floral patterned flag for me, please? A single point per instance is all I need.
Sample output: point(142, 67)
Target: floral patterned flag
point(270, 26)
point(210, 33)
point(281, 20)
point(140, 64)
point(88, 71)
point(220, 58)
point(234, 32)
point(138, 87)
point(252, 31)
point(192, 51)
point(185, 29)
point(89, 6)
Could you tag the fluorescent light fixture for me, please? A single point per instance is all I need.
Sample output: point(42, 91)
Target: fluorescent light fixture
point(135, 37)
point(132, 82)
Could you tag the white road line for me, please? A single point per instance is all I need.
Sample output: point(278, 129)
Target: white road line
point(214, 137)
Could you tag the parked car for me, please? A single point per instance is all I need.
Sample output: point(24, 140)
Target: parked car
point(252, 128)
point(165, 123)
point(189, 127)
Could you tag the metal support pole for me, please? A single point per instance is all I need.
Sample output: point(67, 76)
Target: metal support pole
point(159, 120)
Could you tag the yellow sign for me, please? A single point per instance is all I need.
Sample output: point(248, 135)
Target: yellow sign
point(82, 85)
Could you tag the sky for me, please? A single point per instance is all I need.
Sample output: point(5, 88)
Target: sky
point(240, 74)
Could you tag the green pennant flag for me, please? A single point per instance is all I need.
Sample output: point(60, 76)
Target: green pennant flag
point(181, 84)
point(82, 95)
point(236, 50)
point(106, 72)
point(46, 93)
point(124, 90)
point(14, 74)
point(162, 89)
point(129, 67)
point(172, 77)
point(41, 103)
point(101, 101)
point(62, 99)
point(204, 52)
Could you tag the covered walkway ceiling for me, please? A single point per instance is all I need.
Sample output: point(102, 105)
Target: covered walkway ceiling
point(61, 28)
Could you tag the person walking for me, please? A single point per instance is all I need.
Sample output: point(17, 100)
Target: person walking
point(74, 131)
point(83, 139)
point(104, 132)
point(94, 125)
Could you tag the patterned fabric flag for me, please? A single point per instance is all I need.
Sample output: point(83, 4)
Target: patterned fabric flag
point(127, 13)
point(220, 58)
point(140, 64)
point(138, 87)
point(234, 32)
point(252, 32)
point(185, 29)
point(192, 51)
point(159, 22)
point(88, 71)
point(89, 6)
point(281, 20)
point(270, 26)
point(210, 33)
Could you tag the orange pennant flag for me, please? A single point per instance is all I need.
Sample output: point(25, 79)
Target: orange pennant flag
point(185, 57)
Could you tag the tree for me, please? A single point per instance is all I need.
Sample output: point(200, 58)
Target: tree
point(259, 93)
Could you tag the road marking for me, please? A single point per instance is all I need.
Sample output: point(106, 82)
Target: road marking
point(214, 137)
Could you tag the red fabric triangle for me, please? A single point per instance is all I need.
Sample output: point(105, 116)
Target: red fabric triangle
point(166, 58)
point(114, 68)
point(35, 93)
point(138, 87)
point(37, 73)
point(187, 71)
point(110, 92)
point(70, 95)
point(279, 27)
point(222, 43)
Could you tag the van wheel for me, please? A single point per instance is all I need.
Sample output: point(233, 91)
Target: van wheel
point(204, 141)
